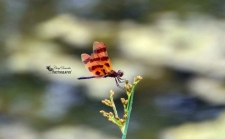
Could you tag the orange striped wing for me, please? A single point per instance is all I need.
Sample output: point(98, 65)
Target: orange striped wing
point(98, 63)
point(86, 60)
point(100, 53)
point(91, 65)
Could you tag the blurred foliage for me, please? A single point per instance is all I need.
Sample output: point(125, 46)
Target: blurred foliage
point(177, 46)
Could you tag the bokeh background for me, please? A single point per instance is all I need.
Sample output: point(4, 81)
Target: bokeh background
point(178, 47)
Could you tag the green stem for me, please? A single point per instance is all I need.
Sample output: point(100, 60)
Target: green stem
point(113, 106)
point(129, 96)
point(129, 112)
point(115, 111)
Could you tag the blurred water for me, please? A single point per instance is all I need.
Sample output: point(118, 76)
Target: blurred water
point(177, 47)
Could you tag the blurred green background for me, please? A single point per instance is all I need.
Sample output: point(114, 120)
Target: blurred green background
point(178, 47)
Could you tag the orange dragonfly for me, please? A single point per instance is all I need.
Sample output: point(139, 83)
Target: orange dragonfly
point(99, 64)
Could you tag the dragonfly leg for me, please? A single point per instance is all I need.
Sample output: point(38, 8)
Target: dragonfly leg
point(118, 84)
point(120, 80)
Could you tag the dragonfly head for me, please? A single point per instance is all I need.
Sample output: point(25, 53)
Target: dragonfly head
point(120, 73)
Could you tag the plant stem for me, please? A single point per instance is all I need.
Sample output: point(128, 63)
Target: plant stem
point(129, 112)
point(114, 108)
point(123, 123)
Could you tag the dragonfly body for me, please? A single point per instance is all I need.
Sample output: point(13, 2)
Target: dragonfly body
point(99, 64)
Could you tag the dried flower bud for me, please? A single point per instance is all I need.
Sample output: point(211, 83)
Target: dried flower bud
point(130, 86)
point(124, 116)
point(107, 101)
point(106, 115)
point(117, 117)
point(111, 92)
point(122, 100)
point(111, 114)
point(138, 78)
point(101, 111)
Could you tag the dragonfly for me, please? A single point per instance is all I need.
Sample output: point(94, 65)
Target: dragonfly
point(99, 64)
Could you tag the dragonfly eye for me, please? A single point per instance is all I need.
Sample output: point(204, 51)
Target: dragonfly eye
point(120, 73)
